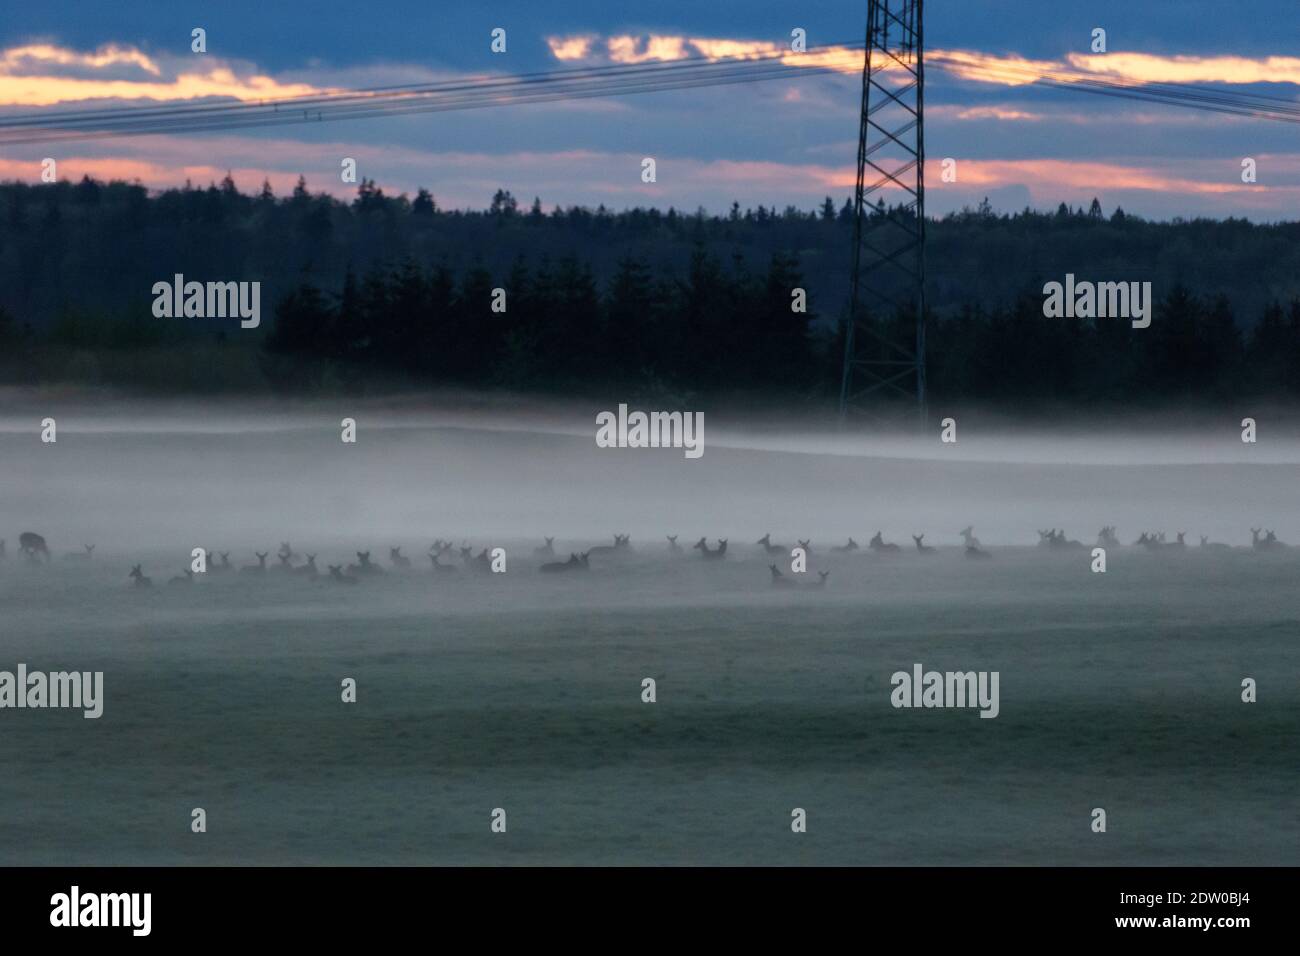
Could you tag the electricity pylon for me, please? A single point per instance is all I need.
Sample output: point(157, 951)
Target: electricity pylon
point(887, 288)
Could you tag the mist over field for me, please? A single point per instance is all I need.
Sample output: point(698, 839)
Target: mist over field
point(523, 690)
point(245, 477)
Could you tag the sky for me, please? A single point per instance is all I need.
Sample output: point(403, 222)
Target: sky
point(786, 142)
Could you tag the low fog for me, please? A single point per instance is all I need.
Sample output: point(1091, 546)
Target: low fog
point(132, 475)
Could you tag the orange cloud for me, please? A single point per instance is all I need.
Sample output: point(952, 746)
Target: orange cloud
point(1146, 68)
point(30, 76)
point(571, 48)
point(1003, 70)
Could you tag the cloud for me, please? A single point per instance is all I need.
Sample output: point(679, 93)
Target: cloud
point(1148, 68)
point(1000, 69)
point(39, 75)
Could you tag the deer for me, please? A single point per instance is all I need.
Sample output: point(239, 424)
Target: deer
point(968, 536)
point(1180, 544)
point(1208, 545)
point(224, 567)
point(545, 551)
point(715, 554)
point(807, 547)
point(338, 577)
point(397, 559)
point(187, 577)
point(33, 545)
point(1106, 537)
point(85, 555)
point(673, 546)
point(877, 544)
point(285, 565)
point(438, 565)
point(922, 548)
point(480, 562)
point(621, 543)
point(779, 580)
point(138, 579)
point(576, 562)
point(364, 567)
point(1057, 540)
point(974, 552)
point(286, 551)
point(768, 546)
point(1270, 542)
point(845, 548)
point(260, 567)
point(308, 569)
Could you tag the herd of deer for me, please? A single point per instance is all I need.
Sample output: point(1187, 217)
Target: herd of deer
point(36, 551)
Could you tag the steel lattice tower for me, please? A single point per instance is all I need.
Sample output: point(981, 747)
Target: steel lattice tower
point(888, 243)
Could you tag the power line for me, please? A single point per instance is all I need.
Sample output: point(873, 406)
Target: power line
point(486, 91)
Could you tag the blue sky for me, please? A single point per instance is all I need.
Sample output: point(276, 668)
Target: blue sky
point(787, 142)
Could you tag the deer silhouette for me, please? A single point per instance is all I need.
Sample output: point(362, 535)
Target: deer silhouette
point(397, 559)
point(338, 577)
point(1208, 545)
point(364, 566)
point(715, 554)
point(621, 543)
point(878, 544)
point(576, 562)
point(545, 551)
point(673, 546)
point(285, 564)
point(845, 548)
point(968, 536)
point(85, 555)
point(807, 547)
point(308, 569)
point(187, 577)
point(1057, 541)
point(138, 579)
point(974, 552)
point(438, 565)
point(286, 551)
point(260, 567)
point(768, 546)
point(225, 565)
point(922, 548)
point(1106, 537)
point(779, 580)
point(782, 582)
point(33, 545)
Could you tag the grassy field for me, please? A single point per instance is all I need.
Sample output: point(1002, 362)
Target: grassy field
point(523, 692)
